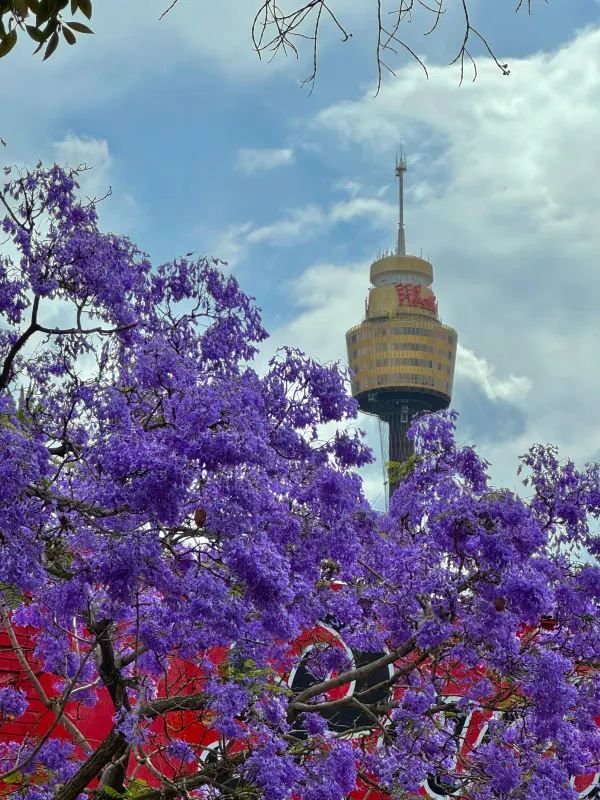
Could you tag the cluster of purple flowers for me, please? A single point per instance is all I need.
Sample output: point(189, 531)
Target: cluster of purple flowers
point(13, 702)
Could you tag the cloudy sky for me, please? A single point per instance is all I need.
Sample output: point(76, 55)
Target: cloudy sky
point(209, 149)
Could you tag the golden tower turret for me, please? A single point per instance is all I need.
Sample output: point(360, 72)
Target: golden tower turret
point(401, 356)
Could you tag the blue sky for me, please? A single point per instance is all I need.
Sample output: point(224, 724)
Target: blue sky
point(209, 149)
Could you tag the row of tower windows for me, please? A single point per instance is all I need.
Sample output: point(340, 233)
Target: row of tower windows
point(392, 278)
point(384, 347)
point(424, 348)
point(409, 362)
point(381, 347)
point(403, 330)
point(401, 380)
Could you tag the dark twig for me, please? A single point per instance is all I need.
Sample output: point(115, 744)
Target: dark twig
point(275, 29)
point(166, 11)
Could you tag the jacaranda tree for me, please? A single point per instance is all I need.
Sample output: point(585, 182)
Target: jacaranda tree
point(195, 591)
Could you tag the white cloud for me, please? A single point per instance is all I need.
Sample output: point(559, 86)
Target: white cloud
point(227, 245)
point(378, 212)
point(349, 186)
point(251, 160)
point(82, 150)
point(131, 53)
point(299, 223)
point(119, 211)
point(517, 148)
point(217, 33)
point(302, 224)
point(92, 155)
point(470, 367)
point(328, 300)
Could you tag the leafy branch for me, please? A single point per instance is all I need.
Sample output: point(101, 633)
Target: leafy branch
point(42, 21)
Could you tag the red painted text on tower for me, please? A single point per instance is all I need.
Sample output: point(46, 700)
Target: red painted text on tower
point(410, 294)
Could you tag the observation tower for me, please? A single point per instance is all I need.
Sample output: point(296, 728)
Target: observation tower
point(401, 356)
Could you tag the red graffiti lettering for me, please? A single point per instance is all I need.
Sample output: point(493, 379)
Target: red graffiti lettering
point(410, 294)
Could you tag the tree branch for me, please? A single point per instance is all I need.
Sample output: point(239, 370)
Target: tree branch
point(183, 702)
point(355, 674)
point(14, 350)
point(56, 706)
point(84, 331)
point(113, 746)
point(62, 502)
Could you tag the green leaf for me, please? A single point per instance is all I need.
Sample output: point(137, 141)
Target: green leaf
point(79, 27)
point(22, 8)
point(86, 7)
point(110, 792)
point(11, 596)
point(398, 471)
point(8, 42)
point(74, 6)
point(69, 35)
point(15, 778)
point(135, 787)
point(52, 45)
point(36, 34)
point(43, 13)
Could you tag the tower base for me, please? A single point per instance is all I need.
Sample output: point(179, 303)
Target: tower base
point(399, 408)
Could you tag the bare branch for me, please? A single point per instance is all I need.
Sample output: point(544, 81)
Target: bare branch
point(166, 11)
point(464, 53)
point(84, 331)
point(33, 327)
point(275, 29)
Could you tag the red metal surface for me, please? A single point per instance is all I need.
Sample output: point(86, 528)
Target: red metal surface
point(183, 677)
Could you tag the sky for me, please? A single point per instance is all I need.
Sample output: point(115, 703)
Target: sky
point(209, 149)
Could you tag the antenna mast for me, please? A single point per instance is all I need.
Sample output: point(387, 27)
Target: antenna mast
point(400, 170)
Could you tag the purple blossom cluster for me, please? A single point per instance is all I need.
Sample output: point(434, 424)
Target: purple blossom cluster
point(171, 521)
point(13, 702)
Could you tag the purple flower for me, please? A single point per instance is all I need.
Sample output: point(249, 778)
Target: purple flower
point(13, 702)
point(181, 751)
point(314, 724)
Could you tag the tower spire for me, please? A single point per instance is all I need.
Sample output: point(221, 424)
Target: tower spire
point(400, 170)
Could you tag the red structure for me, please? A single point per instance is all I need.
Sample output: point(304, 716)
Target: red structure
point(185, 678)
